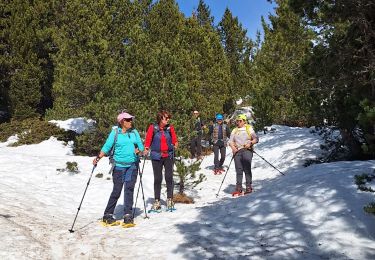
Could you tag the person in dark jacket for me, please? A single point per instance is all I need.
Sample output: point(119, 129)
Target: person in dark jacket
point(219, 133)
point(161, 141)
point(197, 132)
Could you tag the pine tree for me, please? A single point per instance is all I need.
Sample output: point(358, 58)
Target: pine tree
point(25, 57)
point(345, 84)
point(187, 174)
point(204, 15)
point(276, 72)
point(236, 45)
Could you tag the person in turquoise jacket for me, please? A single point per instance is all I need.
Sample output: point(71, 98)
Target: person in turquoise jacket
point(127, 143)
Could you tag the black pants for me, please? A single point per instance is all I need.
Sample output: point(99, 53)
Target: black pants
point(222, 149)
point(157, 167)
point(242, 161)
point(118, 183)
point(196, 146)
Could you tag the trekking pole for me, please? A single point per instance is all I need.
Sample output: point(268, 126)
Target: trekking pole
point(217, 194)
point(268, 163)
point(143, 193)
point(205, 152)
point(79, 207)
point(140, 186)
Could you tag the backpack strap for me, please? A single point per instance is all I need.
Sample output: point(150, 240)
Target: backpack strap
point(157, 129)
point(248, 130)
point(112, 151)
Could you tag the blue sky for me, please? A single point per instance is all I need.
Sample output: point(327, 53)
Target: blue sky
point(249, 12)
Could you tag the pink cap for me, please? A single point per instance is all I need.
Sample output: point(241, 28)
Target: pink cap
point(124, 115)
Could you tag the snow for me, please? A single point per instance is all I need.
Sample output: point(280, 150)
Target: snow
point(75, 124)
point(311, 213)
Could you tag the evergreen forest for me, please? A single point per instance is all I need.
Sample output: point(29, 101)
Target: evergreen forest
point(313, 64)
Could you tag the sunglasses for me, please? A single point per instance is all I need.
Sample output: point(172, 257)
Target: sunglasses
point(128, 119)
point(237, 121)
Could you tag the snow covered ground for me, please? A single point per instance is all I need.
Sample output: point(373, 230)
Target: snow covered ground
point(310, 213)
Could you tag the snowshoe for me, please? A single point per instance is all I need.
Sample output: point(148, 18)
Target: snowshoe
point(154, 211)
point(109, 221)
point(170, 205)
point(128, 221)
point(237, 193)
point(130, 225)
point(156, 207)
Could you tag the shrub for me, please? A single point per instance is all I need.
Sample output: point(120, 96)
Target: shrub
point(99, 175)
point(33, 131)
point(71, 167)
point(182, 198)
point(187, 174)
point(90, 142)
point(360, 181)
point(370, 208)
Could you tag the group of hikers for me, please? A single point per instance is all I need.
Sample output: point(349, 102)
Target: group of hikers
point(125, 145)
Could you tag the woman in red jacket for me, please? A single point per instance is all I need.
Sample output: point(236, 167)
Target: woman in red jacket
point(161, 141)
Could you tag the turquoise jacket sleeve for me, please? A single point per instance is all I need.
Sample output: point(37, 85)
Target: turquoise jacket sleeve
point(109, 142)
point(138, 141)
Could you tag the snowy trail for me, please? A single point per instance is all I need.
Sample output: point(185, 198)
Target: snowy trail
point(311, 213)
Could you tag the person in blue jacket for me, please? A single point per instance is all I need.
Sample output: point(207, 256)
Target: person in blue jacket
point(127, 144)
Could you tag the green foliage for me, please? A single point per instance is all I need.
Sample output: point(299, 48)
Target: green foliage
point(187, 173)
point(361, 181)
point(366, 120)
point(238, 49)
point(279, 92)
point(25, 60)
point(90, 141)
point(33, 130)
point(95, 58)
point(101, 57)
point(345, 47)
point(71, 167)
point(370, 208)
point(99, 175)
point(204, 14)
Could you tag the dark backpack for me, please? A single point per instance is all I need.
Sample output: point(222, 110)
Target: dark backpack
point(112, 151)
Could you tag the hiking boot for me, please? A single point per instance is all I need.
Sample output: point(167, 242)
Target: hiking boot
point(249, 189)
point(109, 219)
point(170, 203)
point(238, 191)
point(156, 205)
point(239, 188)
point(128, 219)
